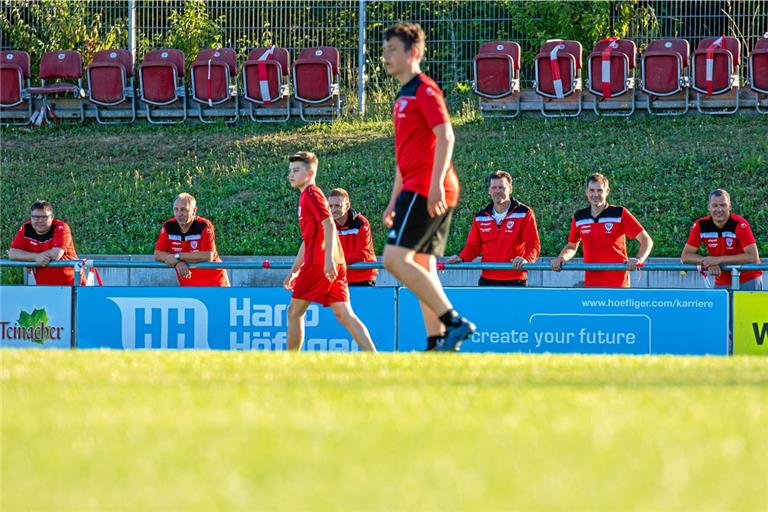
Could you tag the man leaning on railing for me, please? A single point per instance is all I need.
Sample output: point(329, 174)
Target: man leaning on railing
point(41, 240)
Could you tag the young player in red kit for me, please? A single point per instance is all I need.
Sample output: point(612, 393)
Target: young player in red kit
point(319, 273)
point(728, 239)
point(44, 239)
point(425, 190)
point(604, 229)
point(189, 238)
point(356, 239)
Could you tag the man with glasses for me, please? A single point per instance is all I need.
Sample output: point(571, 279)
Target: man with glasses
point(44, 239)
point(355, 235)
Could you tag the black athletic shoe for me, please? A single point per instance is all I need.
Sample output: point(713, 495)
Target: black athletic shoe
point(454, 335)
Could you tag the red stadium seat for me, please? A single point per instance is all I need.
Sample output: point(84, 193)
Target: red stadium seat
point(266, 82)
point(161, 82)
point(316, 81)
point(715, 71)
point(558, 75)
point(758, 71)
point(61, 65)
point(212, 72)
point(14, 83)
point(496, 69)
point(110, 82)
point(611, 70)
point(664, 73)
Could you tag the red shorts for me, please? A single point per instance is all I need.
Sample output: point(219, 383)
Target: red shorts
point(312, 285)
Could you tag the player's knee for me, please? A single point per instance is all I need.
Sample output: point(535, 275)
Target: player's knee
point(294, 313)
point(343, 317)
point(390, 260)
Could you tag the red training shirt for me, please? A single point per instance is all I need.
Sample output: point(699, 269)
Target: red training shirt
point(729, 240)
point(27, 239)
point(419, 107)
point(199, 237)
point(313, 210)
point(604, 240)
point(516, 235)
point(357, 243)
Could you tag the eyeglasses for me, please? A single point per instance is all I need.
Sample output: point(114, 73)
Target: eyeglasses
point(41, 217)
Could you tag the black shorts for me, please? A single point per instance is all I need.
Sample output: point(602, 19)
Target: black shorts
point(484, 281)
point(413, 228)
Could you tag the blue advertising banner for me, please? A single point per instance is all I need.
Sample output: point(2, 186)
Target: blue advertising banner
point(221, 319)
point(36, 316)
point(581, 321)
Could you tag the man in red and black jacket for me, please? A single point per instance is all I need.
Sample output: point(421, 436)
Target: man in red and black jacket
point(44, 239)
point(728, 239)
point(504, 231)
point(355, 235)
point(187, 238)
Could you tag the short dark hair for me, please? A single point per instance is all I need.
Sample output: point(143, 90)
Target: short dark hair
point(719, 192)
point(597, 178)
point(306, 157)
point(499, 175)
point(339, 192)
point(41, 204)
point(411, 34)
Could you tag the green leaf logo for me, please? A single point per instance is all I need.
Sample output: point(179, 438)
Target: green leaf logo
point(36, 323)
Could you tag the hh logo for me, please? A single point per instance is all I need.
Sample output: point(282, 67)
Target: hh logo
point(170, 322)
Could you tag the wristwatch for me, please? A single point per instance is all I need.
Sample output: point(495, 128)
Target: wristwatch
point(178, 257)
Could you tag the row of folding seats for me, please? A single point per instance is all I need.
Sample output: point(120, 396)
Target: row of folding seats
point(668, 70)
point(268, 80)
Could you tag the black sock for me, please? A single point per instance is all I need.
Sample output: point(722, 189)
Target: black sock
point(432, 341)
point(450, 317)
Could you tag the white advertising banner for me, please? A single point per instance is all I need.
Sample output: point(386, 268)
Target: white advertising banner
point(36, 316)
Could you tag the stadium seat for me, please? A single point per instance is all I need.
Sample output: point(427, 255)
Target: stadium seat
point(316, 82)
point(213, 72)
point(14, 83)
point(558, 76)
point(161, 82)
point(61, 65)
point(611, 75)
point(664, 74)
point(715, 71)
point(110, 82)
point(758, 72)
point(266, 83)
point(496, 69)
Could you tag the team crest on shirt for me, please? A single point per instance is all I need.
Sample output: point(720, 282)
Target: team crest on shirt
point(194, 245)
point(729, 242)
point(510, 224)
point(402, 104)
point(608, 227)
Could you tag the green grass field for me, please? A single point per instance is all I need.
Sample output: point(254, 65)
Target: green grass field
point(275, 431)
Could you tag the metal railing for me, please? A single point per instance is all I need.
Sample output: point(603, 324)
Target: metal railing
point(84, 265)
point(455, 28)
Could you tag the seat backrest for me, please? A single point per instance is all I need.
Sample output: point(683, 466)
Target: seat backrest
point(761, 44)
point(175, 57)
point(731, 44)
point(328, 53)
point(625, 46)
point(18, 58)
point(227, 55)
point(503, 47)
point(680, 46)
point(572, 47)
point(116, 56)
point(281, 55)
point(61, 64)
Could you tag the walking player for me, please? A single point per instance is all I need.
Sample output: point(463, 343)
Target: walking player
point(319, 273)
